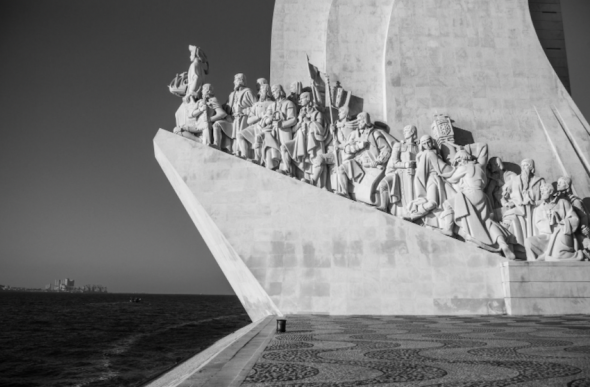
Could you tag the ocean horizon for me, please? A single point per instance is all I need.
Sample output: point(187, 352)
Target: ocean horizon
point(103, 339)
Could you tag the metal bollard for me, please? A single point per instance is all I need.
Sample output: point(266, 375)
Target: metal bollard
point(281, 325)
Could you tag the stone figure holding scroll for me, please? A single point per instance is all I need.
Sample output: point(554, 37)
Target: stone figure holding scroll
point(365, 149)
point(306, 150)
point(397, 187)
point(556, 222)
point(430, 190)
point(470, 208)
point(253, 135)
point(238, 108)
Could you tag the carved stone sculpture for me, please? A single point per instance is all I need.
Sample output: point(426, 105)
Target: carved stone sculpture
point(277, 126)
point(259, 83)
point(295, 92)
point(525, 192)
point(556, 222)
point(306, 150)
point(564, 190)
point(254, 133)
point(238, 108)
point(397, 187)
point(498, 176)
point(196, 73)
point(341, 130)
point(207, 111)
point(430, 191)
point(365, 155)
point(470, 207)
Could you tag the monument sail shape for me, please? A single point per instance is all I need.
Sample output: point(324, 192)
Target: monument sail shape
point(458, 124)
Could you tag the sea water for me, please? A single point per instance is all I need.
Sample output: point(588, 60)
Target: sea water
point(67, 339)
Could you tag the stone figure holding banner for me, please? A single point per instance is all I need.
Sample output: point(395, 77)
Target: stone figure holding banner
point(397, 187)
point(556, 222)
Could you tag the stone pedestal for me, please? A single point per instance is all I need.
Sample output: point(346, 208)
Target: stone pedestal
point(546, 287)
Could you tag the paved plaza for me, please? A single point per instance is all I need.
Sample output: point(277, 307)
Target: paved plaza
point(426, 351)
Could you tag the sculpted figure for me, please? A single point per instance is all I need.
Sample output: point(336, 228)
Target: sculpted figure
point(365, 149)
point(340, 130)
point(397, 187)
point(525, 192)
point(556, 222)
point(254, 134)
point(498, 176)
point(430, 190)
point(564, 190)
point(306, 150)
point(207, 112)
point(295, 93)
point(196, 73)
point(470, 208)
point(259, 83)
point(238, 108)
point(277, 126)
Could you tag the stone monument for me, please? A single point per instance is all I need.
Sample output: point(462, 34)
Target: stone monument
point(315, 206)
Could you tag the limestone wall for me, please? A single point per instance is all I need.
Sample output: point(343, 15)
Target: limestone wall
point(312, 251)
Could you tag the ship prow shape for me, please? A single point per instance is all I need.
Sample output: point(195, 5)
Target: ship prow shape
point(287, 247)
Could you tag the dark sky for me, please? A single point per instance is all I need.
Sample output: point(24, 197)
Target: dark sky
point(82, 94)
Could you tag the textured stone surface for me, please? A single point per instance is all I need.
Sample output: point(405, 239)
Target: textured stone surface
point(289, 247)
point(484, 351)
point(481, 62)
point(546, 287)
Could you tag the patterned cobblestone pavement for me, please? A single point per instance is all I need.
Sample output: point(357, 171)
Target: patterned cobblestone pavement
point(482, 351)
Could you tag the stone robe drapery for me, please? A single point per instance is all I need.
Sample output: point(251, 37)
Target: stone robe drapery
point(308, 146)
point(399, 179)
point(253, 133)
point(274, 138)
point(556, 224)
point(523, 213)
point(238, 109)
point(378, 151)
point(428, 183)
point(472, 209)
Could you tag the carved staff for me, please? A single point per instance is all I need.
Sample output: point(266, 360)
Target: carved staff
point(334, 133)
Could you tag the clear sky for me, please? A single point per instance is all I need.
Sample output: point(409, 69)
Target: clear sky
point(82, 94)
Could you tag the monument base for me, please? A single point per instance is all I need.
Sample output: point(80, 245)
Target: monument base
point(543, 288)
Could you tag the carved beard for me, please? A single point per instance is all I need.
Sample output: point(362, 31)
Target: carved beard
point(525, 178)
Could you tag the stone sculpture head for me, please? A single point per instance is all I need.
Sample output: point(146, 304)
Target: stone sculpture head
point(411, 133)
point(426, 142)
point(197, 54)
point(364, 120)
point(546, 191)
point(259, 83)
point(278, 92)
point(239, 81)
point(294, 87)
point(264, 92)
point(462, 157)
point(564, 184)
point(528, 167)
point(305, 99)
point(343, 113)
point(207, 90)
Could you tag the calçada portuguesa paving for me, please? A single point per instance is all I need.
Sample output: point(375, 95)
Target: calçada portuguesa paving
point(425, 351)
